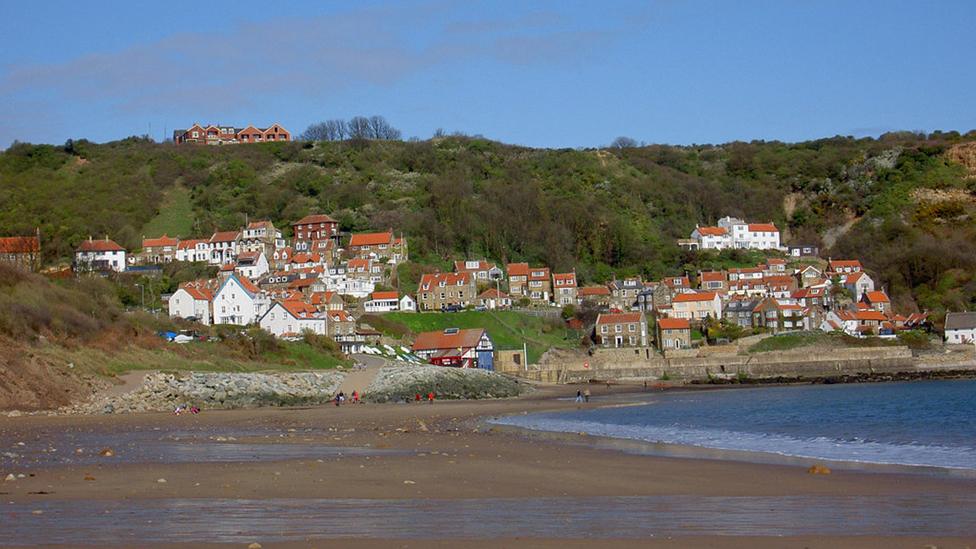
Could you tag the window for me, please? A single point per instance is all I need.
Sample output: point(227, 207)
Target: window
point(618, 328)
point(631, 327)
point(603, 329)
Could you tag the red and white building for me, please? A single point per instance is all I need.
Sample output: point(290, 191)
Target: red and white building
point(99, 255)
point(315, 227)
point(218, 134)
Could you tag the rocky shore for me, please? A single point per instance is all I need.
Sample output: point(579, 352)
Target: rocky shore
point(211, 390)
point(404, 381)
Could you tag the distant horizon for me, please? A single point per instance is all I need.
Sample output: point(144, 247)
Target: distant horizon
point(544, 75)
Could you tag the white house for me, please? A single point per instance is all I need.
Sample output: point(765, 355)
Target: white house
point(481, 270)
point(100, 255)
point(191, 302)
point(291, 318)
point(712, 238)
point(223, 247)
point(382, 302)
point(736, 233)
point(238, 301)
point(493, 299)
point(960, 328)
point(408, 304)
point(252, 265)
point(697, 306)
point(193, 250)
point(858, 283)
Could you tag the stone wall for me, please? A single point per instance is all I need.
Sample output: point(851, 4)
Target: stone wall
point(635, 364)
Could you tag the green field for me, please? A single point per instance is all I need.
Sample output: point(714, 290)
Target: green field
point(175, 217)
point(508, 329)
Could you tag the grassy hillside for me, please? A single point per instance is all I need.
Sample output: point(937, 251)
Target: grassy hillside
point(903, 203)
point(508, 329)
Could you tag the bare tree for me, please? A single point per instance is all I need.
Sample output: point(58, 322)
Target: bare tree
point(330, 130)
point(381, 129)
point(623, 142)
point(359, 128)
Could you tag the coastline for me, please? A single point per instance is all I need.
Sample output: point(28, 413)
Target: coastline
point(446, 452)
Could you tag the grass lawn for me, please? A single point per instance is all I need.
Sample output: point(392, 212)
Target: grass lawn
point(175, 217)
point(508, 329)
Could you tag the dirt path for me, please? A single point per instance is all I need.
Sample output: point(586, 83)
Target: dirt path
point(359, 380)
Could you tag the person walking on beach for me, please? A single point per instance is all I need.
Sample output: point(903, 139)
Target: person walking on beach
point(417, 398)
point(430, 397)
point(586, 395)
point(355, 397)
point(579, 395)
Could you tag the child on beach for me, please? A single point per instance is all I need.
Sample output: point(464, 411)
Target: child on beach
point(586, 395)
point(430, 397)
point(355, 397)
point(579, 395)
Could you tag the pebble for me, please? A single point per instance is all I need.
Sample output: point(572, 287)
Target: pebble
point(161, 481)
point(254, 545)
point(10, 477)
point(409, 482)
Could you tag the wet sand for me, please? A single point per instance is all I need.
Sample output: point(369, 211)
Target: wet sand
point(432, 453)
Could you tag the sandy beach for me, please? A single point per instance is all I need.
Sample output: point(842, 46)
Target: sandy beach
point(431, 453)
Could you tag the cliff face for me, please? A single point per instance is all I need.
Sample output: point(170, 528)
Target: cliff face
point(964, 154)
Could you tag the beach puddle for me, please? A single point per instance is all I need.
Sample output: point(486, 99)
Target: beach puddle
point(239, 521)
point(65, 448)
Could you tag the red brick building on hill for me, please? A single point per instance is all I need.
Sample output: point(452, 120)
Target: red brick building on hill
point(21, 251)
point(218, 134)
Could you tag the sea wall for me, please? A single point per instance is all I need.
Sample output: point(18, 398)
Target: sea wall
point(636, 364)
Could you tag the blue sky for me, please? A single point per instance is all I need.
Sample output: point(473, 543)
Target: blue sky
point(548, 74)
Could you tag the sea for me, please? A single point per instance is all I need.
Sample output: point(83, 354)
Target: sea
point(926, 424)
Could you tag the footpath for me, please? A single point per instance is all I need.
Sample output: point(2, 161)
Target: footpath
point(359, 380)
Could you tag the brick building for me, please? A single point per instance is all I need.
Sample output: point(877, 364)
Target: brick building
point(218, 134)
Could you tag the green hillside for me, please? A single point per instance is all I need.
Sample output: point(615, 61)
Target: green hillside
point(508, 329)
point(898, 202)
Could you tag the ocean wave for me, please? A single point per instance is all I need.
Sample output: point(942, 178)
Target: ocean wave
point(854, 449)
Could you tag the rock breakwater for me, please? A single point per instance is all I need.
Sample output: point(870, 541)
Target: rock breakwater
point(211, 390)
point(404, 381)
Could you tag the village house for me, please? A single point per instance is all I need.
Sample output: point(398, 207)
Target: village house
point(364, 269)
point(252, 265)
point(219, 134)
point(99, 255)
point(672, 333)
point(197, 249)
point(315, 227)
point(223, 247)
point(878, 301)
point(621, 330)
point(192, 302)
point(382, 302)
point(471, 348)
point(802, 250)
point(378, 246)
point(21, 251)
point(645, 297)
point(303, 260)
point(857, 283)
point(713, 281)
point(597, 295)
point(539, 285)
point(738, 311)
point(779, 286)
point(623, 293)
point(747, 288)
point(662, 294)
point(733, 233)
point(774, 267)
point(493, 299)
point(843, 266)
point(678, 284)
point(774, 316)
point(564, 288)
point(261, 236)
point(518, 279)
point(813, 298)
point(482, 271)
point(697, 306)
point(340, 325)
point(238, 301)
point(326, 301)
point(960, 328)
point(745, 273)
point(809, 276)
point(440, 290)
point(292, 318)
point(159, 250)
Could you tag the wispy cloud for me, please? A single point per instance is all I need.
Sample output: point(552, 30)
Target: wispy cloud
point(234, 70)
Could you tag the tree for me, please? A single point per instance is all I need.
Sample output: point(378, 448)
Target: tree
point(330, 130)
point(623, 142)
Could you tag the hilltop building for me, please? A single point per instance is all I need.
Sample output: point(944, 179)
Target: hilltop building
point(218, 134)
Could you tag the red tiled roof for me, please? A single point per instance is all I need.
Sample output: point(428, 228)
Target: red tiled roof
point(228, 267)
point(321, 297)
point(564, 277)
point(159, 242)
point(694, 297)
point(837, 264)
point(302, 282)
point(593, 290)
point(775, 261)
point(870, 315)
point(712, 276)
point(763, 227)
point(100, 246)
point(674, 324)
point(669, 281)
point(539, 273)
point(303, 257)
point(432, 280)
point(314, 218)
point(371, 239)
point(462, 339)
point(259, 224)
point(618, 318)
point(493, 293)
point(247, 284)
point(197, 292)
point(877, 297)
point(298, 309)
point(339, 316)
point(712, 231)
point(358, 264)
point(19, 244)
point(190, 244)
point(224, 236)
point(384, 295)
point(459, 266)
point(518, 269)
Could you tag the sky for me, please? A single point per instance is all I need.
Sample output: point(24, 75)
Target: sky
point(542, 74)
